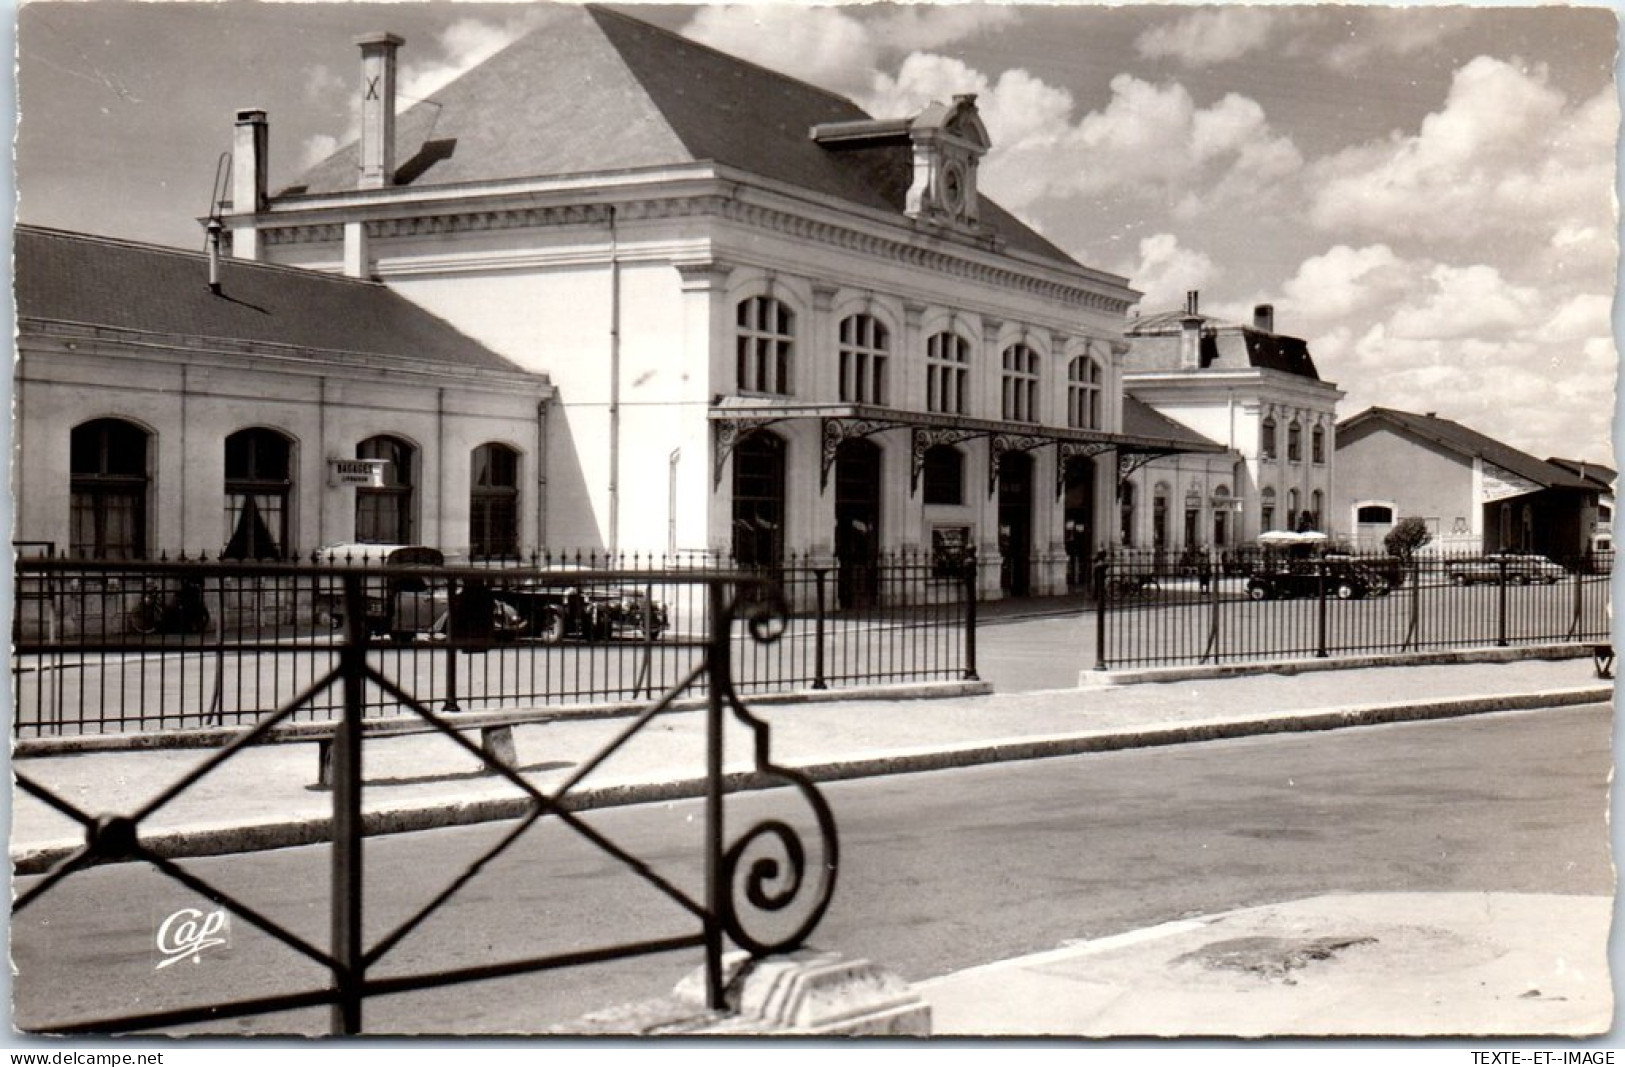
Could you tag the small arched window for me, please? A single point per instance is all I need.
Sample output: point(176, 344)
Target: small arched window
point(1317, 444)
point(384, 513)
point(493, 502)
point(1266, 438)
point(1294, 442)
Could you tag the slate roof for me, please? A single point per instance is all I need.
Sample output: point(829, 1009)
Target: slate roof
point(1154, 346)
point(594, 90)
point(1463, 441)
point(1142, 420)
point(60, 276)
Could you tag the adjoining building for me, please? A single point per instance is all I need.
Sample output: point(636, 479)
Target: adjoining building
point(1257, 395)
point(169, 402)
point(1602, 530)
point(775, 324)
point(1475, 493)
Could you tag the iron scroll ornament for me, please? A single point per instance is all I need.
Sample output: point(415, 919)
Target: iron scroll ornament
point(775, 881)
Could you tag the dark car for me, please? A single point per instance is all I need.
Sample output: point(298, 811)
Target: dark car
point(1515, 568)
point(403, 604)
point(585, 609)
point(1345, 579)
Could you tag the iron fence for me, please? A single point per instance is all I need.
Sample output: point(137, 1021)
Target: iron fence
point(116, 648)
point(765, 888)
point(1296, 604)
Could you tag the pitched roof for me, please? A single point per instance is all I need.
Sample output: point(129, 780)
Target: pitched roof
point(594, 90)
point(66, 277)
point(1142, 420)
point(1464, 441)
point(1154, 346)
point(1602, 477)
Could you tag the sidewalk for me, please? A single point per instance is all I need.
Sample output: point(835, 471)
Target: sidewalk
point(266, 797)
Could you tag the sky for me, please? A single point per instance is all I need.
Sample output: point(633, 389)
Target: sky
point(1426, 194)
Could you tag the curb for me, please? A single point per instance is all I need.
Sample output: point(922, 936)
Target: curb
point(224, 840)
point(1096, 679)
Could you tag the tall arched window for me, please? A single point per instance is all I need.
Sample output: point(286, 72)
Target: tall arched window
point(107, 488)
point(1125, 513)
point(1266, 510)
point(1020, 381)
point(1083, 394)
point(865, 344)
point(259, 484)
point(759, 500)
point(384, 514)
point(493, 502)
point(765, 344)
point(1317, 444)
point(1266, 438)
point(944, 473)
point(1292, 509)
point(1294, 442)
point(1317, 503)
point(1159, 516)
point(947, 373)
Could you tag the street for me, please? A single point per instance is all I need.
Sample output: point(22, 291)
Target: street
point(940, 871)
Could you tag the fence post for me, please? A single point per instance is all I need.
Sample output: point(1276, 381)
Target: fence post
point(451, 652)
point(1100, 615)
point(819, 574)
point(970, 620)
point(718, 671)
point(1320, 626)
point(1579, 596)
point(346, 894)
point(1501, 604)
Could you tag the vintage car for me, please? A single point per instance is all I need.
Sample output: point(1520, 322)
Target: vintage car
point(575, 605)
point(1345, 579)
point(1516, 568)
point(403, 606)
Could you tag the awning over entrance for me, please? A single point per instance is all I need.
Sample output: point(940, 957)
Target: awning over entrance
point(735, 418)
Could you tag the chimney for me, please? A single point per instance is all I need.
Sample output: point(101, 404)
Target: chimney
point(377, 109)
point(215, 228)
point(1190, 334)
point(249, 164)
point(1264, 318)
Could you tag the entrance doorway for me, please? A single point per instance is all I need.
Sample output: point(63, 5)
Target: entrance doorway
point(1079, 519)
point(857, 522)
point(1016, 523)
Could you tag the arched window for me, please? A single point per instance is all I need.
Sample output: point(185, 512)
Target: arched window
point(944, 475)
point(259, 485)
point(1020, 381)
point(1083, 394)
point(1294, 442)
point(1292, 509)
point(765, 345)
point(1266, 510)
point(384, 514)
point(1159, 515)
point(1316, 503)
point(493, 502)
point(1374, 514)
point(107, 487)
point(758, 500)
point(1266, 438)
point(1317, 444)
point(947, 373)
point(865, 344)
point(1221, 516)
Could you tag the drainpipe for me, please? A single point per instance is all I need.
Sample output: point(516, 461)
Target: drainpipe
point(440, 470)
point(671, 502)
point(541, 474)
point(614, 388)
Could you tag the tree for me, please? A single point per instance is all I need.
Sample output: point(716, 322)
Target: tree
point(1409, 534)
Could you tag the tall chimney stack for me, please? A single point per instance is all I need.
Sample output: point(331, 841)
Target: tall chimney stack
point(1190, 334)
point(1264, 318)
point(249, 162)
point(377, 109)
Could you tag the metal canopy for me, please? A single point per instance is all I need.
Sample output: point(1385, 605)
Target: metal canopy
point(735, 418)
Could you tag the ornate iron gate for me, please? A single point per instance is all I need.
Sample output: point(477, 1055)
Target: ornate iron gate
point(768, 868)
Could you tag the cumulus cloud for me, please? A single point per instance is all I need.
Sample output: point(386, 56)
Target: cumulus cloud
point(1506, 154)
point(464, 44)
point(1166, 271)
point(1375, 32)
point(1209, 36)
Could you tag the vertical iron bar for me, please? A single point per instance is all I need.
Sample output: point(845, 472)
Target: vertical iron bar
point(451, 650)
point(1501, 604)
point(819, 575)
point(345, 1015)
point(970, 621)
point(1100, 616)
point(1320, 643)
point(717, 673)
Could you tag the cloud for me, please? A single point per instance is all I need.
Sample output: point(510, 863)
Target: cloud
point(464, 44)
point(1166, 272)
point(1506, 155)
point(1207, 37)
point(823, 45)
point(1378, 32)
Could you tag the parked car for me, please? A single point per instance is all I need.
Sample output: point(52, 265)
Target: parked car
point(1346, 579)
point(1519, 568)
point(402, 606)
point(586, 610)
